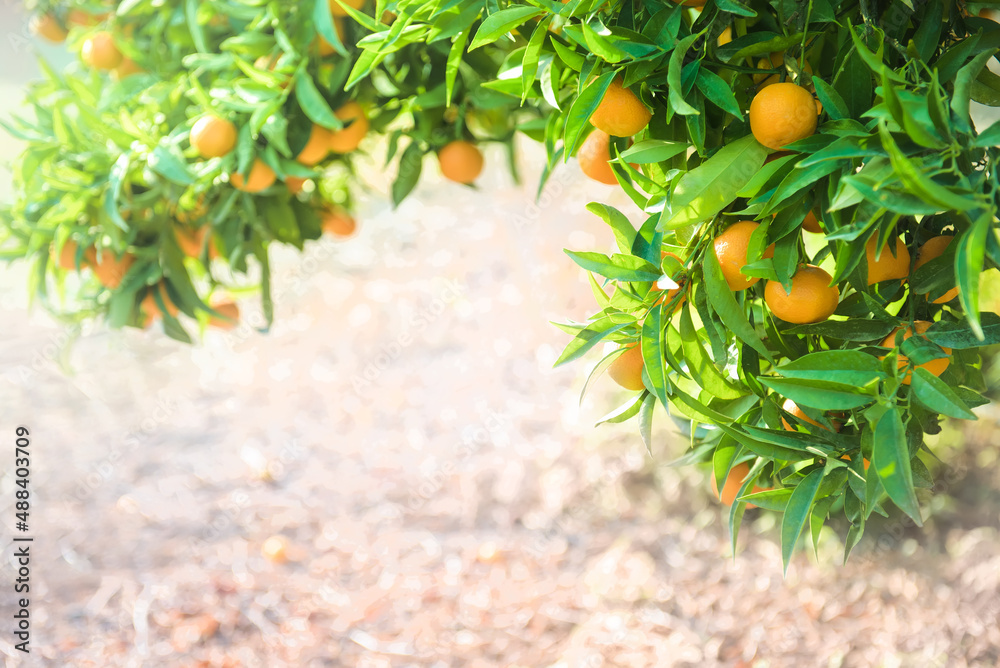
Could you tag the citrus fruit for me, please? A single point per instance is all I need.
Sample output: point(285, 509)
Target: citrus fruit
point(790, 407)
point(78, 17)
point(190, 240)
point(295, 184)
point(934, 248)
point(152, 308)
point(213, 137)
point(226, 308)
point(461, 161)
point(317, 148)
point(127, 68)
point(731, 251)
point(275, 549)
point(935, 366)
point(48, 26)
point(337, 6)
point(731, 488)
point(338, 223)
point(626, 370)
point(67, 256)
point(261, 178)
point(811, 224)
point(594, 156)
point(110, 269)
point(781, 114)
point(348, 139)
point(812, 298)
point(621, 113)
point(725, 37)
point(99, 51)
point(773, 62)
point(887, 266)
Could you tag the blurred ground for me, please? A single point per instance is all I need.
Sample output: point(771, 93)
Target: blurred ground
point(445, 499)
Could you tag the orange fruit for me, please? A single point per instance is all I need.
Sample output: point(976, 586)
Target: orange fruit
point(67, 256)
point(261, 178)
point(781, 114)
point(226, 308)
point(461, 161)
point(99, 51)
point(726, 37)
point(812, 298)
point(594, 156)
point(190, 240)
point(127, 68)
point(294, 184)
point(934, 248)
point(811, 224)
point(152, 309)
point(337, 6)
point(773, 62)
point(790, 407)
point(935, 366)
point(621, 113)
point(275, 549)
point(213, 137)
point(348, 139)
point(626, 370)
point(338, 223)
point(887, 267)
point(110, 269)
point(731, 251)
point(317, 148)
point(731, 488)
point(78, 17)
point(48, 26)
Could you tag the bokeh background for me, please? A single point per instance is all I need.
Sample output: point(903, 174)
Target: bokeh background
point(443, 495)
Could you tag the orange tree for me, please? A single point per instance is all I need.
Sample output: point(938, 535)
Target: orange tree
point(190, 137)
point(801, 293)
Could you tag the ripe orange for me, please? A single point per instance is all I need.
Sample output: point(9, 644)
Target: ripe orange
point(936, 366)
point(275, 549)
point(731, 488)
point(226, 308)
point(348, 139)
point(594, 156)
point(67, 256)
point(790, 407)
point(731, 250)
point(152, 309)
point(781, 114)
point(887, 266)
point(621, 113)
point(261, 178)
point(190, 240)
point(626, 370)
point(812, 298)
point(78, 17)
point(338, 222)
point(110, 269)
point(213, 137)
point(725, 37)
point(99, 51)
point(811, 224)
point(127, 68)
point(776, 60)
point(295, 184)
point(934, 248)
point(317, 148)
point(48, 26)
point(337, 9)
point(461, 161)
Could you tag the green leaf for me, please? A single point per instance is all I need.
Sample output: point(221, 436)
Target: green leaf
point(715, 89)
point(854, 329)
point(675, 87)
point(655, 150)
point(589, 337)
point(849, 367)
point(963, 85)
point(529, 62)
point(710, 187)
point(652, 355)
point(724, 304)
point(582, 109)
point(935, 394)
point(620, 225)
point(960, 336)
point(702, 368)
point(833, 104)
point(820, 394)
point(618, 266)
point(646, 422)
point(624, 412)
point(920, 183)
point(313, 103)
point(323, 20)
point(969, 260)
point(454, 62)
point(891, 460)
point(410, 166)
point(797, 513)
point(502, 22)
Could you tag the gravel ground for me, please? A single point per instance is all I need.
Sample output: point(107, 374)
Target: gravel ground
point(443, 494)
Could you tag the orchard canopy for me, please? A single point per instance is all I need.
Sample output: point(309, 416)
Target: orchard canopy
point(798, 284)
